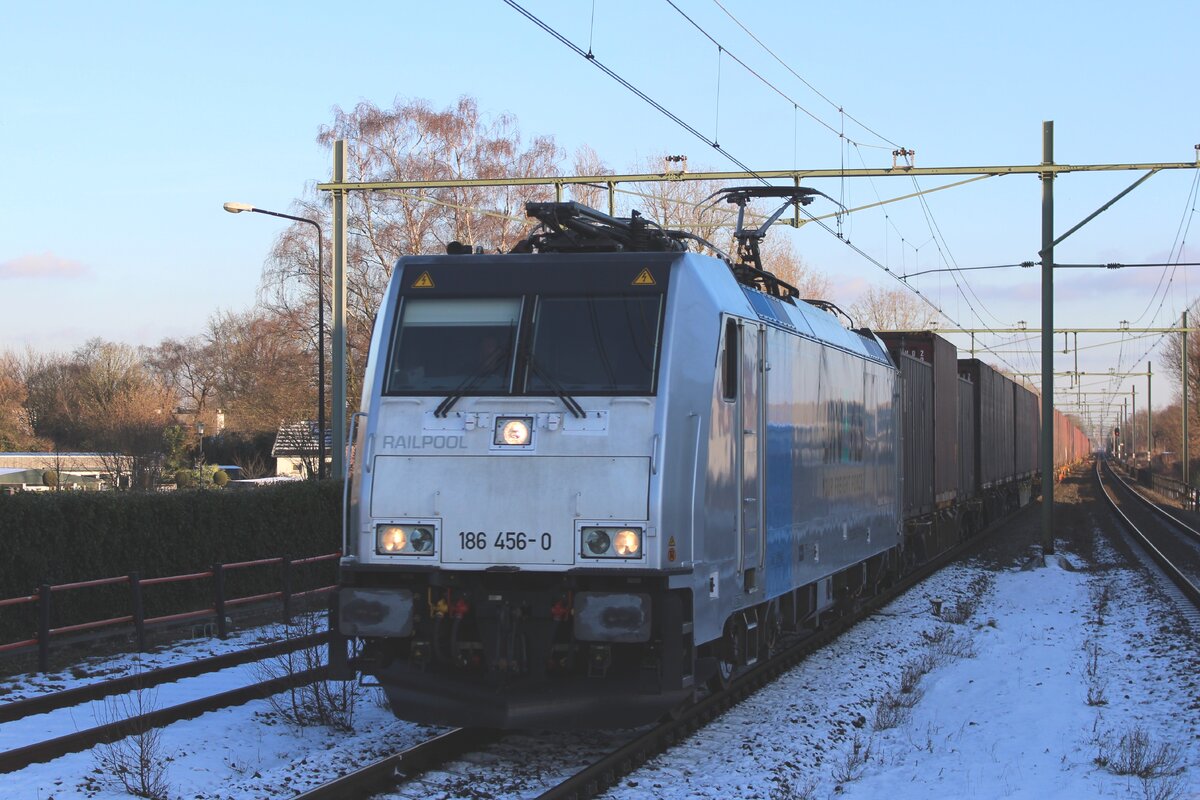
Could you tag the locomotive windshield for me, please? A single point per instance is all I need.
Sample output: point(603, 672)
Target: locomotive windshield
point(455, 345)
point(604, 345)
point(486, 346)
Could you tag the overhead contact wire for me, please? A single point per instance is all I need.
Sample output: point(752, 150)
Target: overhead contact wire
point(755, 73)
point(800, 78)
point(612, 74)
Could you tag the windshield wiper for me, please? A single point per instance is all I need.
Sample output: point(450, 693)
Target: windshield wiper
point(489, 367)
point(556, 387)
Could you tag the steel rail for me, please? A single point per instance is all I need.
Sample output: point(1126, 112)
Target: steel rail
point(1189, 589)
point(1155, 507)
point(41, 704)
point(605, 772)
point(383, 774)
point(50, 749)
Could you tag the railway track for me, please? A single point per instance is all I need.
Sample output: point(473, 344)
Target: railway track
point(42, 704)
point(394, 771)
point(1168, 544)
point(111, 731)
point(381, 775)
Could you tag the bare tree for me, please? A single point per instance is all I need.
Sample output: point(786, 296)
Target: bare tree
point(1170, 359)
point(51, 399)
point(690, 206)
point(409, 141)
point(15, 430)
point(684, 205)
point(588, 162)
point(780, 257)
point(892, 310)
point(189, 367)
point(101, 397)
point(264, 376)
point(1168, 423)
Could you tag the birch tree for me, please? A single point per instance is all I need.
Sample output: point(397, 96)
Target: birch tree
point(411, 140)
point(892, 310)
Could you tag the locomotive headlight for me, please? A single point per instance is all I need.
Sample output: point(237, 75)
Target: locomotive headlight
point(596, 542)
point(416, 538)
point(628, 543)
point(513, 431)
point(390, 538)
point(421, 540)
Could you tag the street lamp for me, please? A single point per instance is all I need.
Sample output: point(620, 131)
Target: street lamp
point(237, 208)
point(200, 433)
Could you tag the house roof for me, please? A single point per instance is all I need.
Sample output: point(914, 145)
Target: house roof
point(10, 476)
point(14, 475)
point(299, 439)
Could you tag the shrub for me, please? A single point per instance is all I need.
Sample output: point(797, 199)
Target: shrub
point(138, 758)
point(321, 702)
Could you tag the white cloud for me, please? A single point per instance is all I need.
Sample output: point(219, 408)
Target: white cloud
point(43, 265)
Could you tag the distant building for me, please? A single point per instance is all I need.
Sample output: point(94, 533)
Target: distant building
point(295, 449)
point(75, 470)
point(15, 479)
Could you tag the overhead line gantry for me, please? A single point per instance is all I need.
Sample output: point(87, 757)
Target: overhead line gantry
point(339, 187)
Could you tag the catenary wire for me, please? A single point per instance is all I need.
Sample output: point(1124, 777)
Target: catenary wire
point(612, 74)
point(712, 143)
point(800, 78)
point(795, 104)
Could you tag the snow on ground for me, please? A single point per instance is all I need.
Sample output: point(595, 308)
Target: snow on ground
point(19, 687)
point(1003, 712)
point(999, 707)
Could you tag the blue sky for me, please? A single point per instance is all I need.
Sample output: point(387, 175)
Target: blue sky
point(126, 125)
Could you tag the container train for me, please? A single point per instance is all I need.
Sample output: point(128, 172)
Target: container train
point(603, 471)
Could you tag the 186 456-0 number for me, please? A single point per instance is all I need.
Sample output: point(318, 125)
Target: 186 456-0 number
point(504, 540)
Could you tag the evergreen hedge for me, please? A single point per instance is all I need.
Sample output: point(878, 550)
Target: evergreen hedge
point(63, 537)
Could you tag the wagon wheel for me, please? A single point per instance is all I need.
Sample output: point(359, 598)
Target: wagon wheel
point(728, 652)
point(772, 629)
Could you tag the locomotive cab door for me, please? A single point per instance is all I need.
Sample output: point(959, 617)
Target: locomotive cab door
point(751, 454)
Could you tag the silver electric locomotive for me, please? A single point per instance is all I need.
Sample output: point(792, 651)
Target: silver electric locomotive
point(599, 472)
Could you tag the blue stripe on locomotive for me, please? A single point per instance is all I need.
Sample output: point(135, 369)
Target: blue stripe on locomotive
point(820, 418)
point(783, 443)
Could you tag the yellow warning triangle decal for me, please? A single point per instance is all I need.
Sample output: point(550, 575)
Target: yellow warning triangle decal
point(423, 282)
point(672, 542)
point(644, 278)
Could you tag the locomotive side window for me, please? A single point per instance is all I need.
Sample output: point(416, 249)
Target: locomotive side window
point(729, 368)
point(454, 345)
point(594, 345)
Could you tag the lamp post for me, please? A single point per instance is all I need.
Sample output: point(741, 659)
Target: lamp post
point(237, 208)
point(200, 433)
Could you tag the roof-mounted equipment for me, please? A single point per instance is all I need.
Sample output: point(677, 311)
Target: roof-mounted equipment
point(574, 228)
point(832, 308)
point(749, 269)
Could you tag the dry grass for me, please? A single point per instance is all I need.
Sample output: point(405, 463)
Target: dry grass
point(1096, 684)
point(789, 783)
point(912, 672)
point(328, 703)
point(944, 642)
point(1135, 754)
point(895, 709)
point(136, 759)
point(854, 760)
